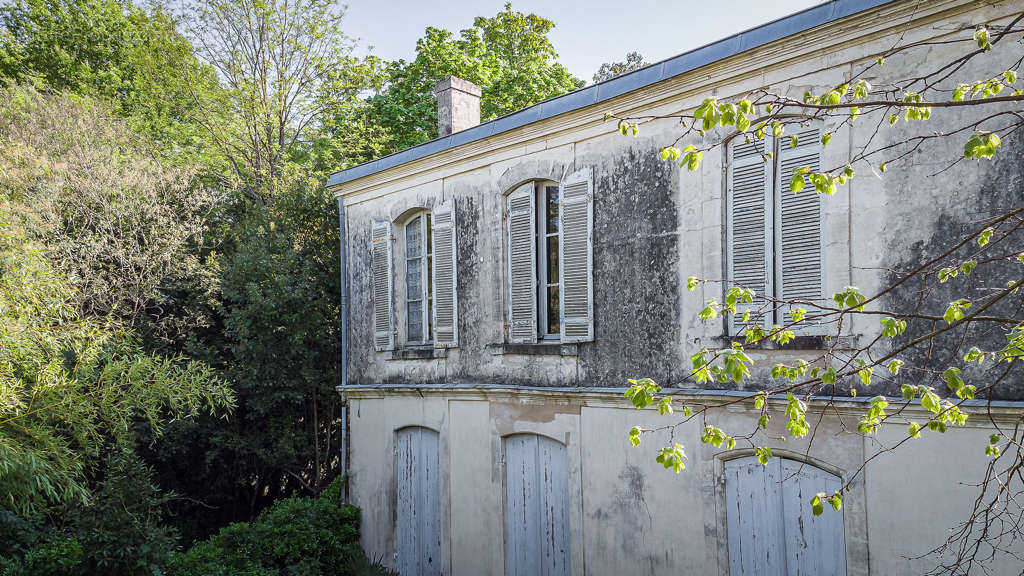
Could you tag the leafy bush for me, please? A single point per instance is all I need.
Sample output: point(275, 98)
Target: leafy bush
point(294, 537)
point(120, 531)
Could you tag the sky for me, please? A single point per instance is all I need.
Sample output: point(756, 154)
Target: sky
point(586, 34)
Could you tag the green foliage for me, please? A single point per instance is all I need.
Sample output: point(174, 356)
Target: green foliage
point(509, 56)
point(275, 339)
point(120, 531)
point(133, 58)
point(296, 536)
point(70, 385)
point(609, 70)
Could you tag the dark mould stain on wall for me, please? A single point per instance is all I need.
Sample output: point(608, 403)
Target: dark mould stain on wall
point(997, 189)
point(636, 284)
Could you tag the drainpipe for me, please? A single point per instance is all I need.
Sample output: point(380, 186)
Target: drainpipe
point(344, 352)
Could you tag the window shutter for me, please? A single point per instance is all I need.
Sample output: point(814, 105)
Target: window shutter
point(575, 256)
point(446, 308)
point(522, 265)
point(749, 257)
point(798, 229)
point(380, 265)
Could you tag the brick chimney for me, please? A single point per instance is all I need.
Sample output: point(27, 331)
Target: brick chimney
point(458, 105)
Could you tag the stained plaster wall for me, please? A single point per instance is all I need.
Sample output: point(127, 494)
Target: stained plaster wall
point(628, 515)
point(655, 225)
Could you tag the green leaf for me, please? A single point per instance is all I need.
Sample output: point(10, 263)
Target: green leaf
point(816, 504)
point(985, 236)
point(796, 183)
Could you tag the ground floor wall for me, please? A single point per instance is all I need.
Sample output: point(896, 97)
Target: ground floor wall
point(626, 513)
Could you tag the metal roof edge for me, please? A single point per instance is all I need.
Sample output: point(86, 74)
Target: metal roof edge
point(635, 80)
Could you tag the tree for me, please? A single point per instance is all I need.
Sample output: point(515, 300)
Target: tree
point(509, 56)
point(124, 228)
point(130, 57)
point(73, 386)
point(283, 66)
point(949, 324)
point(607, 71)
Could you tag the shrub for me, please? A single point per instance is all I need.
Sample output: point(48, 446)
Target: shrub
point(294, 537)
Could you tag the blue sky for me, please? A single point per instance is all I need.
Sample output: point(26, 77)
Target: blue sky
point(586, 33)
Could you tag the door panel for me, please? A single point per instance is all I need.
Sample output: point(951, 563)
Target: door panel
point(418, 513)
point(771, 528)
point(536, 506)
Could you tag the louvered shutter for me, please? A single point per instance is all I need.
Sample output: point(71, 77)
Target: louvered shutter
point(522, 265)
point(798, 230)
point(446, 308)
point(749, 241)
point(575, 256)
point(380, 264)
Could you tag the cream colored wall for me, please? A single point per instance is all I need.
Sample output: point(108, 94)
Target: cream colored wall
point(628, 515)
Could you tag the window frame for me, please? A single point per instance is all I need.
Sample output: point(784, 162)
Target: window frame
point(425, 268)
point(541, 238)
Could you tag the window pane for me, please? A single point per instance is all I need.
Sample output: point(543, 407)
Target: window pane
point(414, 279)
point(552, 260)
point(552, 209)
point(415, 321)
point(413, 238)
point(554, 314)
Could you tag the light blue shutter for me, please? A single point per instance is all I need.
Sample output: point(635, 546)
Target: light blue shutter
point(753, 501)
point(815, 545)
point(798, 230)
point(445, 250)
point(418, 503)
point(576, 256)
point(771, 528)
point(522, 265)
point(536, 506)
point(380, 272)
point(748, 230)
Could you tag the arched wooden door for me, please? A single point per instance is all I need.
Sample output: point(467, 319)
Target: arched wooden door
point(418, 503)
point(772, 530)
point(536, 506)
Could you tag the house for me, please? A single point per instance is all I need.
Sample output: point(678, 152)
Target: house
point(505, 280)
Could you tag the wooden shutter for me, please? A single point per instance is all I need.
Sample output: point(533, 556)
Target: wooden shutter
point(753, 503)
point(815, 545)
point(798, 231)
point(536, 506)
point(522, 265)
point(446, 305)
point(772, 530)
point(380, 265)
point(576, 256)
point(418, 503)
point(749, 240)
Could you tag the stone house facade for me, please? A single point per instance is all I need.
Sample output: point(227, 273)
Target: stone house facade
point(505, 280)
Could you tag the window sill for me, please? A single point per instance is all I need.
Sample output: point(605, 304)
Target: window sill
point(797, 344)
point(418, 353)
point(538, 349)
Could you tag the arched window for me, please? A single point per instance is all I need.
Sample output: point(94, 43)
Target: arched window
point(772, 530)
point(549, 229)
